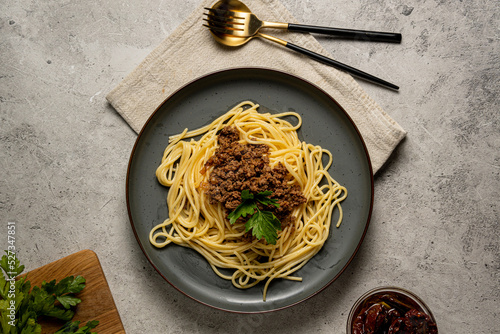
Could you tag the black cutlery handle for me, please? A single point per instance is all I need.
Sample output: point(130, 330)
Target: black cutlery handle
point(362, 35)
point(344, 67)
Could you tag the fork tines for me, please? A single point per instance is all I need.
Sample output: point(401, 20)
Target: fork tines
point(222, 30)
point(222, 21)
point(222, 24)
point(223, 12)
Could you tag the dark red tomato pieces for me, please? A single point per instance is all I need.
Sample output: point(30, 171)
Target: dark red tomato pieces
point(388, 315)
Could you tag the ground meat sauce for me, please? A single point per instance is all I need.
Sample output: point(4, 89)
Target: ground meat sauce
point(237, 167)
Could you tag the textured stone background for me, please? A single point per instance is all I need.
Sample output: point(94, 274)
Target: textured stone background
point(435, 227)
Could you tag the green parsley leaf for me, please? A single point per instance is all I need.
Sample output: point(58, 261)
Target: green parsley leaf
point(72, 327)
point(246, 194)
point(263, 198)
point(67, 301)
point(242, 210)
point(10, 264)
point(247, 207)
point(43, 303)
point(264, 224)
point(76, 285)
point(69, 284)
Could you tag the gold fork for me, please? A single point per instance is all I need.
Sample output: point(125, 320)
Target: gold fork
point(243, 23)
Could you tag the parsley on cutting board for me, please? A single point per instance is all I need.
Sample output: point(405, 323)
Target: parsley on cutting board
point(20, 307)
point(263, 224)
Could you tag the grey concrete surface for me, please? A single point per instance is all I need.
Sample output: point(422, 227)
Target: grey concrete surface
point(435, 227)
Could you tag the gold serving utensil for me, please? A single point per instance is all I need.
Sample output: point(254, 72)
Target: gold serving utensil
point(225, 37)
point(237, 19)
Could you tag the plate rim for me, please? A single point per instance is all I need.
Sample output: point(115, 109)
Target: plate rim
point(246, 68)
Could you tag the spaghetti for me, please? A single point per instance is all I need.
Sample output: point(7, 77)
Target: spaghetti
point(197, 223)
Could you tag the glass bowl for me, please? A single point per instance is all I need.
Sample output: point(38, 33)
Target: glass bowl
point(389, 295)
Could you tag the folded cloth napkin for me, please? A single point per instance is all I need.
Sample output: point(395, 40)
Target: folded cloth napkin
point(190, 52)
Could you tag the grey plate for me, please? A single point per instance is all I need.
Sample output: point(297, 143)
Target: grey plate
point(198, 103)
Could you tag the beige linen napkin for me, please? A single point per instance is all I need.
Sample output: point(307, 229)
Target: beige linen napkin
point(190, 52)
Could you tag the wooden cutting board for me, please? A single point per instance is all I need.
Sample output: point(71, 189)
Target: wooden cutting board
point(97, 301)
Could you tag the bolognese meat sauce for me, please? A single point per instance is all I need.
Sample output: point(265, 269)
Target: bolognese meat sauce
point(237, 167)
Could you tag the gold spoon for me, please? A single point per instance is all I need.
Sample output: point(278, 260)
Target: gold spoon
point(225, 38)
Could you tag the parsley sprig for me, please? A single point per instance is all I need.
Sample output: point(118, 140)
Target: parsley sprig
point(20, 308)
point(264, 224)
